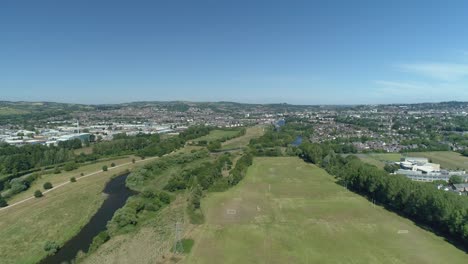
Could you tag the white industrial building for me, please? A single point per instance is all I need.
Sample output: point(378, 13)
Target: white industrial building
point(420, 169)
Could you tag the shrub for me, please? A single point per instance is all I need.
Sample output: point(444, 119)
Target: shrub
point(82, 174)
point(51, 247)
point(17, 185)
point(104, 168)
point(3, 203)
point(73, 179)
point(133, 161)
point(98, 240)
point(57, 170)
point(112, 164)
point(164, 197)
point(47, 185)
point(38, 194)
point(70, 166)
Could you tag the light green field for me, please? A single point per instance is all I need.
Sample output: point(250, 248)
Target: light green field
point(379, 159)
point(217, 135)
point(57, 216)
point(287, 211)
point(370, 160)
point(446, 159)
point(242, 141)
point(11, 111)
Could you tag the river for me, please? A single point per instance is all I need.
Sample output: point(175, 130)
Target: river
point(117, 196)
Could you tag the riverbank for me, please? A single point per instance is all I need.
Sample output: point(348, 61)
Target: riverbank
point(58, 216)
point(117, 195)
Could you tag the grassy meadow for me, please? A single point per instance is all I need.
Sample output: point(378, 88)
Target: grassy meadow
point(287, 211)
point(217, 135)
point(242, 141)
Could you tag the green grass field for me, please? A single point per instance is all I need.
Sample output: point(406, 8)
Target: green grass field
point(242, 141)
point(11, 111)
point(287, 211)
point(217, 135)
point(57, 216)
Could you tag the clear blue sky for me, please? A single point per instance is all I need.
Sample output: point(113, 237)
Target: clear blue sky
point(303, 52)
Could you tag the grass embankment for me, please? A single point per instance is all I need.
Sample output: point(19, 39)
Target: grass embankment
point(57, 216)
point(152, 240)
point(287, 211)
point(242, 141)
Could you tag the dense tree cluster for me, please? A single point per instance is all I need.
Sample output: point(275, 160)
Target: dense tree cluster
point(240, 170)
point(445, 212)
point(127, 217)
point(16, 159)
point(71, 144)
point(138, 179)
point(123, 144)
point(204, 175)
point(274, 139)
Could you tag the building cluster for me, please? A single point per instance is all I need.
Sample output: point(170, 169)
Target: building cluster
point(420, 169)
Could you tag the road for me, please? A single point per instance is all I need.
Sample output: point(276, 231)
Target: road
point(67, 182)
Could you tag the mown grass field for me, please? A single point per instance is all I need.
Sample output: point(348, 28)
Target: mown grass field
point(57, 216)
point(242, 141)
point(217, 135)
point(287, 211)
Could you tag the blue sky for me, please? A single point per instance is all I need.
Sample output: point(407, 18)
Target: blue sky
point(302, 52)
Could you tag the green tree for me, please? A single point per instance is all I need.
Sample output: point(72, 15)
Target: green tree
point(51, 247)
point(47, 185)
point(214, 145)
point(455, 179)
point(104, 168)
point(72, 179)
point(38, 194)
point(391, 168)
point(3, 203)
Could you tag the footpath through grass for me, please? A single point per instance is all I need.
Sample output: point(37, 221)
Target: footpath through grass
point(287, 211)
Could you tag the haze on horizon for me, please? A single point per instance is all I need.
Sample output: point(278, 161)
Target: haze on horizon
point(299, 52)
